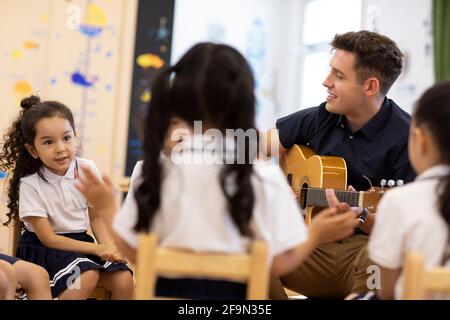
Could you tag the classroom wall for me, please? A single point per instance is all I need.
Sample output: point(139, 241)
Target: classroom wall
point(44, 52)
point(262, 30)
point(409, 23)
point(80, 53)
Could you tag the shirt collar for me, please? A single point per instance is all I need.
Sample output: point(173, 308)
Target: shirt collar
point(52, 177)
point(434, 172)
point(375, 124)
point(209, 149)
point(200, 142)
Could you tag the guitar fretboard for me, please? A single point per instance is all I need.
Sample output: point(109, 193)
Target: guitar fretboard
point(317, 197)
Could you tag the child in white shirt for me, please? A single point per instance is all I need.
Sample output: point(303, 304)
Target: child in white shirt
point(416, 217)
point(40, 148)
point(195, 200)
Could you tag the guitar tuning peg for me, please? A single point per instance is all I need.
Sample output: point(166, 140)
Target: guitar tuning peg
point(383, 183)
point(391, 183)
point(400, 183)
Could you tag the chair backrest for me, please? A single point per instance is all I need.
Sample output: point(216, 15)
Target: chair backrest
point(419, 279)
point(249, 268)
point(123, 184)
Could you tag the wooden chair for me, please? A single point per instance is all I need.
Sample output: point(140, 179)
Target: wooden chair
point(123, 184)
point(419, 279)
point(152, 260)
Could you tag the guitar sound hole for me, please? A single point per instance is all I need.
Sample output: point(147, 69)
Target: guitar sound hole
point(303, 193)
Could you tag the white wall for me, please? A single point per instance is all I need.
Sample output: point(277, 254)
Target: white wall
point(262, 30)
point(408, 22)
point(279, 70)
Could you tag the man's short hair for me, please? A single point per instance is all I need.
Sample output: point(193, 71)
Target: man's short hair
point(377, 56)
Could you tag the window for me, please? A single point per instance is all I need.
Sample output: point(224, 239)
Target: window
point(322, 20)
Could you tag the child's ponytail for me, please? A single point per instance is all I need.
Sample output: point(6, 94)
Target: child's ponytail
point(148, 195)
point(15, 158)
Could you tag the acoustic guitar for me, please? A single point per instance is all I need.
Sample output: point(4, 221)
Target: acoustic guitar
point(310, 174)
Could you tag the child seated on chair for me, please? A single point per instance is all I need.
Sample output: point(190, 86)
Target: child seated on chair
point(416, 217)
point(40, 147)
point(210, 194)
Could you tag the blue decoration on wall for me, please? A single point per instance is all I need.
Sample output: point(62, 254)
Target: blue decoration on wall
point(81, 80)
point(90, 31)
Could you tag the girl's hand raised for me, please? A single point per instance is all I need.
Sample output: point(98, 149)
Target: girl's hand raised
point(100, 193)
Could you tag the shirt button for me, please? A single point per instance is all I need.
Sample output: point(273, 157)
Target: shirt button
point(351, 137)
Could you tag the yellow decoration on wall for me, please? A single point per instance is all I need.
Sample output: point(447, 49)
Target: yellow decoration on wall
point(101, 149)
point(149, 60)
point(44, 18)
point(30, 45)
point(22, 88)
point(96, 16)
point(16, 55)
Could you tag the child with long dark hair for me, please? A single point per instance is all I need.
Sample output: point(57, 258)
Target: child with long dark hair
point(39, 150)
point(195, 200)
point(416, 217)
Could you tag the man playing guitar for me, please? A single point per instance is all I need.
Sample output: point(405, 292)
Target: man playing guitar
point(369, 131)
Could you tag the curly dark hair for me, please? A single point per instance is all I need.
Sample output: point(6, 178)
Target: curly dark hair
point(212, 83)
point(377, 56)
point(14, 157)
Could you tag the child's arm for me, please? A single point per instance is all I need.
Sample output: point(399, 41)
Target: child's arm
point(102, 235)
point(45, 233)
point(102, 194)
point(98, 227)
point(389, 278)
point(327, 226)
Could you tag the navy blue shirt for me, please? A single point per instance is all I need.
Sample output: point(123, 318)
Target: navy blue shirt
point(379, 150)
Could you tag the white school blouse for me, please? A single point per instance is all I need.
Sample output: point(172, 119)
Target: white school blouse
point(56, 199)
point(193, 214)
point(408, 219)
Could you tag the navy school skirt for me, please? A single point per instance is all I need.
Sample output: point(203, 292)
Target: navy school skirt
point(9, 259)
point(62, 266)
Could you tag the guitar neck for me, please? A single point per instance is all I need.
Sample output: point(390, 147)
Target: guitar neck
point(317, 197)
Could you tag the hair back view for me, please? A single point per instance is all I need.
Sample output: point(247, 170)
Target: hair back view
point(205, 206)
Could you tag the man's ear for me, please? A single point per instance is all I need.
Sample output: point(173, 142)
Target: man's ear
point(31, 150)
point(372, 86)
